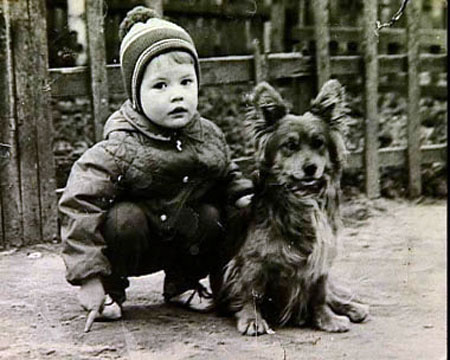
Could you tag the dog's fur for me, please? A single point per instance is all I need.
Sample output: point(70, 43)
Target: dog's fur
point(280, 273)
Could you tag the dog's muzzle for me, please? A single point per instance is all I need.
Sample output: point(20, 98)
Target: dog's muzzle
point(307, 186)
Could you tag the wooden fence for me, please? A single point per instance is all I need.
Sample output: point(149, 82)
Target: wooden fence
point(224, 27)
point(27, 179)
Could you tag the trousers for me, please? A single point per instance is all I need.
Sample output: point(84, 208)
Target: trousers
point(134, 249)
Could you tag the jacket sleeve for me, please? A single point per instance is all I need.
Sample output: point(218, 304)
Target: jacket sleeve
point(89, 193)
point(236, 184)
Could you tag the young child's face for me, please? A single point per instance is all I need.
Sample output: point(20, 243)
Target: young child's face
point(169, 92)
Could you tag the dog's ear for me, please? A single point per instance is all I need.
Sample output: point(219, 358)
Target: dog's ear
point(268, 104)
point(331, 104)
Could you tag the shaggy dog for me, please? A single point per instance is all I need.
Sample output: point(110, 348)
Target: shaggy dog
point(279, 275)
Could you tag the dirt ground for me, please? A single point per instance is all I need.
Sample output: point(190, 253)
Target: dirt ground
point(393, 256)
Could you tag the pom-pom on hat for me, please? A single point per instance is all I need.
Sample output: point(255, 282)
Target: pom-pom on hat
point(143, 36)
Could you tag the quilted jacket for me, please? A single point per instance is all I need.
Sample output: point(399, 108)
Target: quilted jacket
point(166, 171)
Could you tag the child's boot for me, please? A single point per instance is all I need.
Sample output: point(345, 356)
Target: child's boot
point(110, 311)
point(196, 298)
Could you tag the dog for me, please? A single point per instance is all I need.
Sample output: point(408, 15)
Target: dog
point(280, 273)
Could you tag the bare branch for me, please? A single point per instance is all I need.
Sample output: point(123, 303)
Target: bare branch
point(396, 17)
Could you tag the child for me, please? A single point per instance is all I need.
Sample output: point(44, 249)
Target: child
point(150, 196)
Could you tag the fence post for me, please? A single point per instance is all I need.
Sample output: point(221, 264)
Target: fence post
point(2, 237)
point(259, 61)
point(4, 158)
point(267, 36)
point(322, 37)
point(304, 86)
point(44, 123)
point(371, 161)
point(34, 122)
point(76, 22)
point(301, 12)
point(97, 65)
point(277, 25)
point(156, 5)
point(413, 128)
point(9, 172)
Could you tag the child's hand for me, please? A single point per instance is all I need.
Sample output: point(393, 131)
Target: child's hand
point(244, 201)
point(91, 297)
point(91, 294)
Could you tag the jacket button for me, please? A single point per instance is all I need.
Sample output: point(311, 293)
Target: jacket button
point(163, 217)
point(186, 179)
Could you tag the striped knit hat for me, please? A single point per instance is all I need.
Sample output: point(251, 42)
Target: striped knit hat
point(144, 35)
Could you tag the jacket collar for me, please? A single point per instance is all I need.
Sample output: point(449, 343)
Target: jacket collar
point(193, 130)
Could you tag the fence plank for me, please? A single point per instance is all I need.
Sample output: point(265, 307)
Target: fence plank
point(301, 13)
point(371, 163)
point(3, 147)
point(427, 37)
point(394, 64)
point(277, 25)
point(398, 156)
point(436, 153)
point(304, 85)
point(290, 65)
point(44, 123)
point(156, 5)
point(27, 80)
point(215, 71)
point(76, 22)
point(239, 69)
point(413, 127)
point(235, 9)
point(97, 65)
point(259, 63)
point(2, 236)
point(390, 157)
point(4, 155)
point(9, 172)
point(322, 39)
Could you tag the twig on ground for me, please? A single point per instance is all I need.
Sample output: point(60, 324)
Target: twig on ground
point(90, 319)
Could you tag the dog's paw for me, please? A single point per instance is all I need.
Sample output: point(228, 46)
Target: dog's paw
point(253, 327)
point(252, 324)
point(325, 319)
point(357, 312)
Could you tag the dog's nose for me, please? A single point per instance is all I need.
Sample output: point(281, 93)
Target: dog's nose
point(310, 170)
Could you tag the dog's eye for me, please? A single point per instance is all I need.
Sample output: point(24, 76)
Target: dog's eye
point(290, 146)
point(317, 142)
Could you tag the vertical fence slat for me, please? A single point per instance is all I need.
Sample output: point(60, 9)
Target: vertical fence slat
point(304, 86)
point(76, 22)
point(413, 132)
point(277, 23)
point(36, 157)
point(2, 234)
point(301, 12)
point(2, 237)
point(370, 100)
point(260, 64)
point(248, 34)
point(27, 80)
point(267, 36)
point(44, 125)
point(97, 65)
point(156, 5)
point(9, 173)
point(322, 39)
